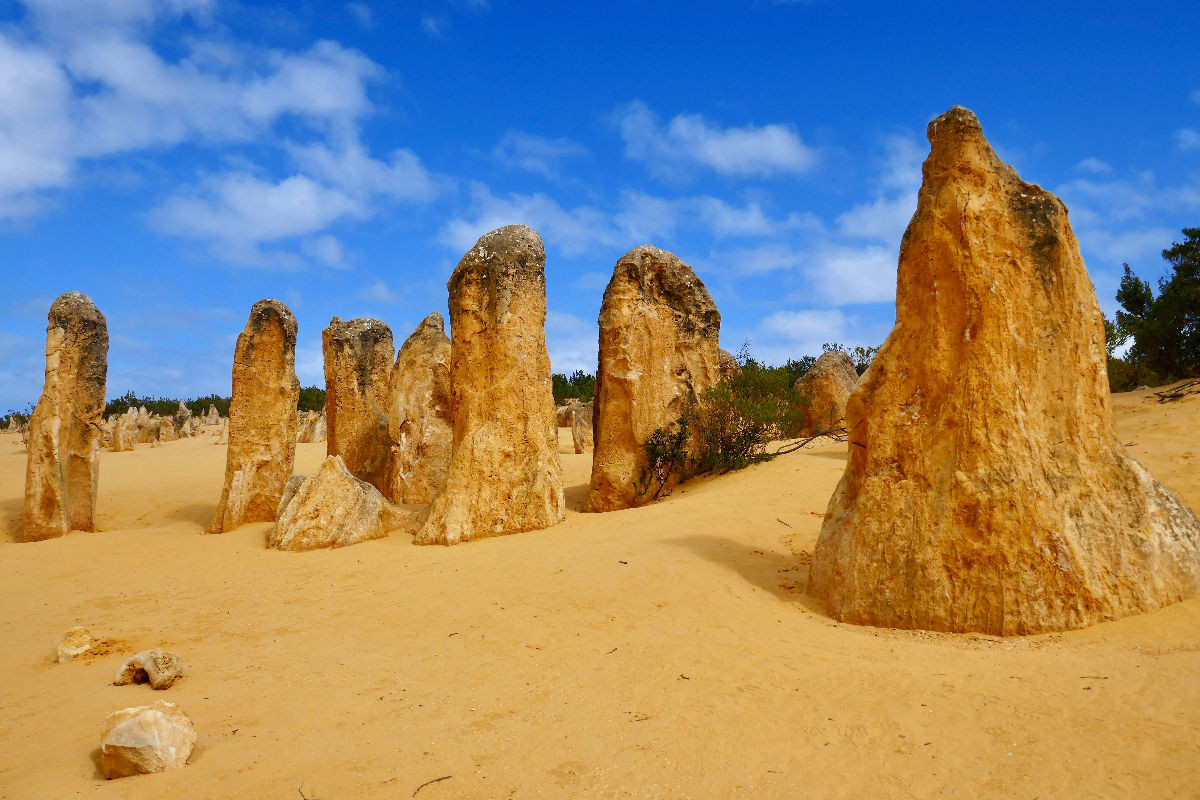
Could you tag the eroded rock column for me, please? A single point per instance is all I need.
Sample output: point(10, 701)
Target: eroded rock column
point(986, 489)
point(826, 388)
point(263, 418)
point(505, 475)
point(358, 369)
point(659, 346)
point(421, 430)
point(63, 468)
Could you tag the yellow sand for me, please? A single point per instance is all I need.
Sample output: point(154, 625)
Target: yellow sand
point(663, 652)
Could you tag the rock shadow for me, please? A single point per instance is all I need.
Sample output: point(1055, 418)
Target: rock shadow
point(199, 513)
point(782, 574)
point(11, 512)
point(576, 496)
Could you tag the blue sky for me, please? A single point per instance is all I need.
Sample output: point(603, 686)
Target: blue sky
point(179, 159)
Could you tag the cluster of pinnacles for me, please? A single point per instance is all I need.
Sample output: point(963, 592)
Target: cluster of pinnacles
point(985, 489)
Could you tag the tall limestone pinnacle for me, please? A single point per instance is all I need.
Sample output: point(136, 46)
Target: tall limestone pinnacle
point(262, 418)
point(986, 489)
point(659, 346)
point(63, 469)
point(504, 475)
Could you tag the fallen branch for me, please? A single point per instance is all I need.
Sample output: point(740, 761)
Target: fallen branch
point(1179, 392)
point(837, 434)
point(426, 783)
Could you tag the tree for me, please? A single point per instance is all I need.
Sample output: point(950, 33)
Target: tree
point(1165, 329)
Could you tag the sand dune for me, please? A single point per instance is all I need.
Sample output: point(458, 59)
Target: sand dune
point(667, 651)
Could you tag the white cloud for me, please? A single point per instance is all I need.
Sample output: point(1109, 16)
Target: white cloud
point(35, 128)
point(761, 259)
point(536, 153)
point(433, 26)
point(327, 250)
point(805, 326)
point(380, 292)
point(1135, 245)
point(689, 139)
point(1120, 219)
point(883, 219)
point(85, 83)
point(725, 219)
point(351, 168)
point(844, 275)
point(238, 212)
point(362, 14)
point(643, 218)
point(1187, 139)
point(573, 231)
point(886, 217)
point(572, 342)
point(1094, 165)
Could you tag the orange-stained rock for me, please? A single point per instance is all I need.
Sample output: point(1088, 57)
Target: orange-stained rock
point(262, 418)
point(418, 409)
point(63, 467)
point(505, 475)
point(144, 739)
point(986, 489)
point(826, 388)
point(358, 370)
point(659, 332)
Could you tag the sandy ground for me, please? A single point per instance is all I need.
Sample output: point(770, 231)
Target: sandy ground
point(665, 652)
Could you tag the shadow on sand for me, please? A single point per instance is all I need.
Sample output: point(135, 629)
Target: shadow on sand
point(199, 513)
point(782, 574)
point(576, 496)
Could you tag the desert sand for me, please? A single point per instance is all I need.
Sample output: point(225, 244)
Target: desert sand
point(665, 651)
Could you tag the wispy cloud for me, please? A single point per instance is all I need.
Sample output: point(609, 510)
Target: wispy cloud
point(1094, 165)
point(86, 82)
point(689, 140)
point(1187, 138)
point(536, 153)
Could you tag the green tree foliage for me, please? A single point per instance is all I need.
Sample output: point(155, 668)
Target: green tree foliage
point(312, 398)
point(1165, 329)
point(579, 385)
point(21, 416)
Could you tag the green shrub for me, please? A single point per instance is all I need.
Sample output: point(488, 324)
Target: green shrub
point(727, 427)
point(580, 385)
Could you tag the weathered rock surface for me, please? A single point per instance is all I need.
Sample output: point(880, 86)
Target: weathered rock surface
point(581, 429)
point(986, 489)
point(418, 409)
point(727, 363)
point(146, 739)
point(63, 468)
point(358, 369)
point(213, 417)
point(330, 509)
point(505, 475)
point(76, 642)
point(659, 346)
point(156, 667)
point(312, 427)
point(262, 418)
point(827, 387)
